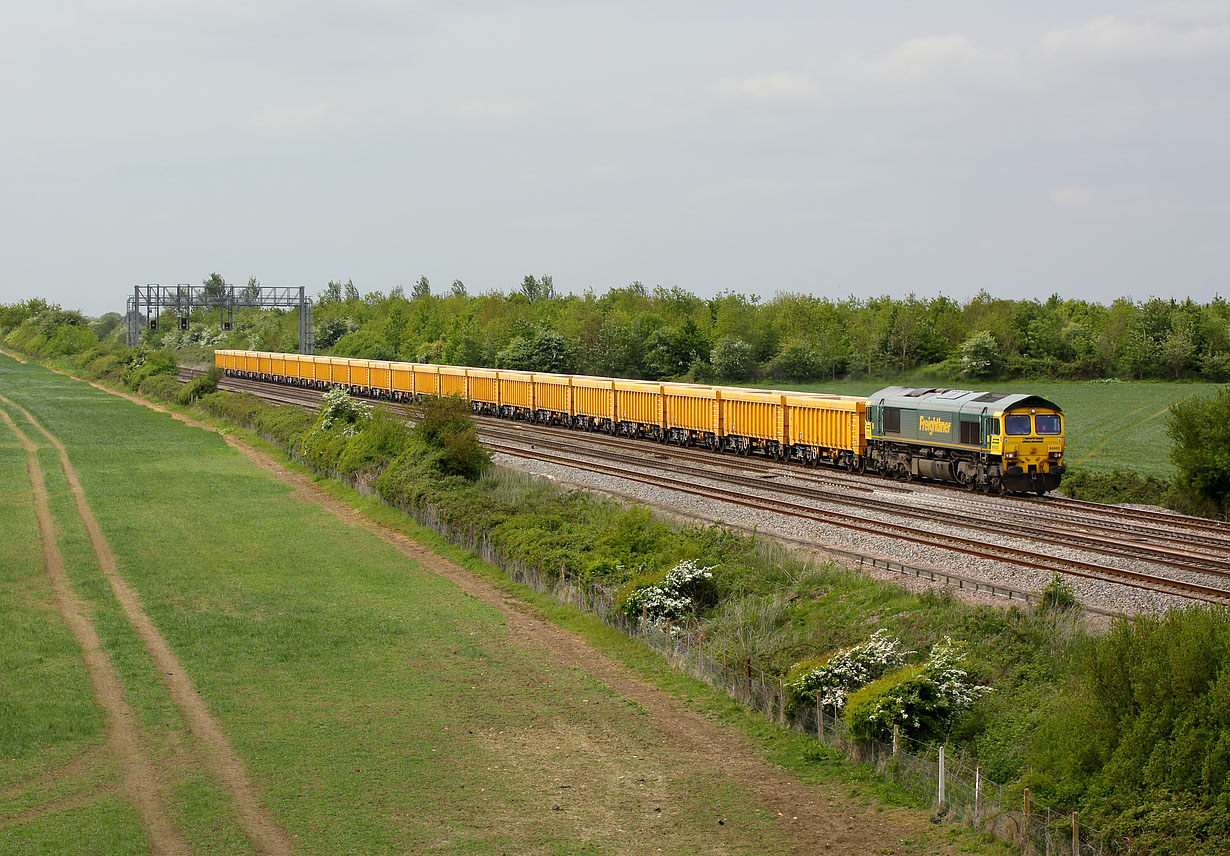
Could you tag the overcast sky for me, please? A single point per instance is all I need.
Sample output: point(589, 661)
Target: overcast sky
point(828, 148)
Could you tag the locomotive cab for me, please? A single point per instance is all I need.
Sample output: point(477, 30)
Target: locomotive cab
point(1032, 448)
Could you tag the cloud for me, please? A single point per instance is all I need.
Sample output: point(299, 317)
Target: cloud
point(947, 60)
point(1072, 197)
point(778, 86)
point(925, 58)
point(1167, 32)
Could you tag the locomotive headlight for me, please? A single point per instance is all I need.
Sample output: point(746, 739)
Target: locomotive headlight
point(1011, 456)
point(1056, 455)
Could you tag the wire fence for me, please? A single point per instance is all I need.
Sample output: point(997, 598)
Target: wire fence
point(958, 792)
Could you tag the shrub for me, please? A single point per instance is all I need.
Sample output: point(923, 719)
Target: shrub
point(1058, 596)
point(844, 671)
point(923, 699)
point(201, 385)
point(340, 408)
point(1199, 430)
point(161, 386)
point(444, 425)
point(1146, 740)
point(147, 365)
point(683, 588)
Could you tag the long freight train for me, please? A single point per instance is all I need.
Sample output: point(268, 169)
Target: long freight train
point(987, 441)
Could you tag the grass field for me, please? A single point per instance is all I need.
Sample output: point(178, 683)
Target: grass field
point(1110, 425)
point(378, 707)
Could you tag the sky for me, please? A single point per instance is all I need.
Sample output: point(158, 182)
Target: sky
point(836, 149)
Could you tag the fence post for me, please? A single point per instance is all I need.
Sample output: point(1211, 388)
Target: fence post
point(942, 777)
point(819, 717)
point(896, 740)
point(747, 667)
point(1025, 820)
point(978, 793)
point(781, 695)
point(1076, 836)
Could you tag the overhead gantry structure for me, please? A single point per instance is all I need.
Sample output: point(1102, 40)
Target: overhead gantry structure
point(148, 302)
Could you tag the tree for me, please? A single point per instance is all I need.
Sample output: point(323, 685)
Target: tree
point(1199, 431)
point(732, 358)
point(215, 290)
point(329, 330)
point(331, 294)
point(530, 288)
point(252, 291)
point(352, 293)
point(543, 351)
point(421, 290)
point(795, 361)
point(459, 288)
point(980, 355)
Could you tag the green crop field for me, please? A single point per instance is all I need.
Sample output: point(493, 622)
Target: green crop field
point(1110, 425)
point(378, 708)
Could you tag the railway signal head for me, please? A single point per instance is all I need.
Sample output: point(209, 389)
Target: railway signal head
point(226, 326)
point(153, 323)
point(183, 323)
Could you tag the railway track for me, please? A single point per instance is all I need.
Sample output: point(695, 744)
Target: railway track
point(757, 486)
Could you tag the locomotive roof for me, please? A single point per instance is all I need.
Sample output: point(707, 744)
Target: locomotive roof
point(957, 399)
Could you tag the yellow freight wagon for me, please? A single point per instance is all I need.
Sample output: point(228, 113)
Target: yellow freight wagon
point(426, 379)
point(638, 407)
point(593, 398)
point(453, 381)
point(753, 419)
point(516, 392)
point(553, 396)
point(826, 428)
point(690, 412)
point(339, 371)
point(380, 377)
point(401, 381)
point(361, 375)
point(291, 367)
point(485, 389)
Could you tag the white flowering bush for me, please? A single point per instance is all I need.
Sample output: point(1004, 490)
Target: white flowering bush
point(340, 407)
point(830, 680)
point(923, 699)
point(672, 599)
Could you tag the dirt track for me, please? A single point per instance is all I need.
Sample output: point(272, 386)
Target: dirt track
point(223, 762)
point(141, 778)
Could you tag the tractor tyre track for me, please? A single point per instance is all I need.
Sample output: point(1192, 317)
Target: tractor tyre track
point(141, 780)
point(222, 760)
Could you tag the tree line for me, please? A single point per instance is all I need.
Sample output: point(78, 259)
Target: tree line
point(659, 333)
point(670, 333)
